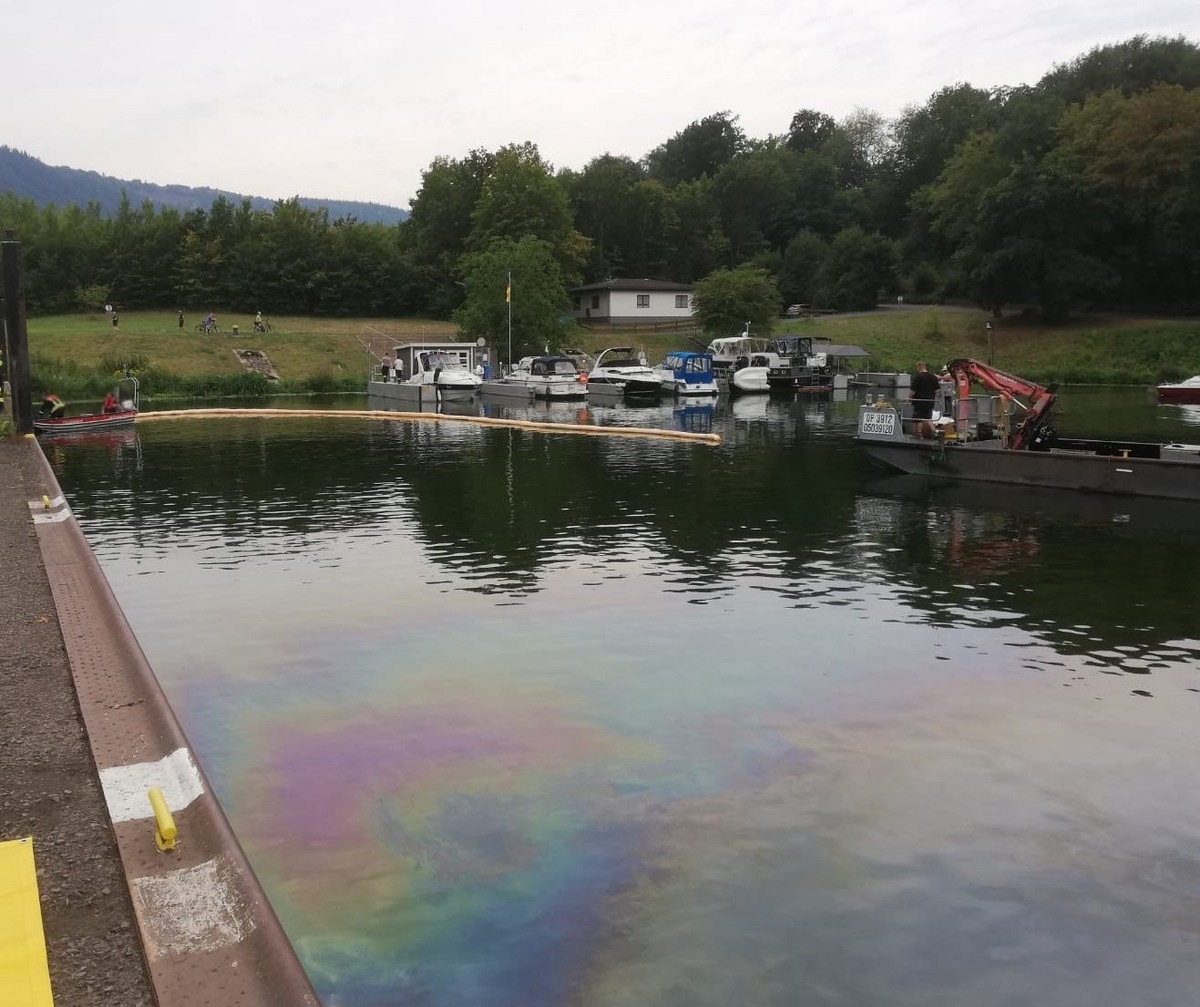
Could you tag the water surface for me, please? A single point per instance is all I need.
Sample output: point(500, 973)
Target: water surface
point(510, 718)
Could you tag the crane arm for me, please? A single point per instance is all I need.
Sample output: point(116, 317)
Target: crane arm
point(1039, 398)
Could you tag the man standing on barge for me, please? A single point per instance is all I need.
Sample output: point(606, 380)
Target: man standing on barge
point(922, 394)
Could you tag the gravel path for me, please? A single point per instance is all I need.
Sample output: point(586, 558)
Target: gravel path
point(49, 787)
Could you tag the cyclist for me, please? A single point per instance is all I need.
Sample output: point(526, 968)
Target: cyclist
point(210, 323)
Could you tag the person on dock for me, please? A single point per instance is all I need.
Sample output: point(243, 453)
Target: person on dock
point(922, 393)
point(385, 368)
point(398, 370)
point(52, 406)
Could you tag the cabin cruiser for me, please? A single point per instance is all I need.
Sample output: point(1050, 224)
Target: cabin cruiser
point(684, 373)
point(447, 374)
point(549, 377)
point(744, 361)
point(617, 373)
point(800, 369)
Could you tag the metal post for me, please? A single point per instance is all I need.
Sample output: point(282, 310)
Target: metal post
point(508, 298)
point(991, 355)
point(15, 334)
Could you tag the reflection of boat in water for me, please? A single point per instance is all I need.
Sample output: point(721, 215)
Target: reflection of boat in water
point(88, 423)
point(1181, 391)
point(696, 417)
point(980, 440)
point(1074, 508)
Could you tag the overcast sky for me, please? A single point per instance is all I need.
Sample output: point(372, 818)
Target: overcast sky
point(354, 99)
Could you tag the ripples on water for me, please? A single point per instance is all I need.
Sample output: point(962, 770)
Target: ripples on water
point(505, 718)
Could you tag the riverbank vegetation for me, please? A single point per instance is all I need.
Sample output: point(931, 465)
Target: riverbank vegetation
point(79, 356)
point(1079, 193)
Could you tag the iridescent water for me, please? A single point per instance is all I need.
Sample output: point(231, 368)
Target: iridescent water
point(515, 719)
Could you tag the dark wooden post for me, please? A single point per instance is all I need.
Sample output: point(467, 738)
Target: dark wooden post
point(17, 356)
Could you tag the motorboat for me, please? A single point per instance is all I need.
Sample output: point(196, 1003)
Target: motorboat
point(617, 373)
point(687, 374)
point(446, 373)
point(800, 368)
point(1181, 392)
point(549, 377)
point(127, 395)
point(1007, 437)
point(743, 362)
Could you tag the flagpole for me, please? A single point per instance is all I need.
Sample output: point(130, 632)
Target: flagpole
point(508, 298)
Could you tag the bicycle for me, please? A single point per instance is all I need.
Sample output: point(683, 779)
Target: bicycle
point(263, 326)
point(209, 329)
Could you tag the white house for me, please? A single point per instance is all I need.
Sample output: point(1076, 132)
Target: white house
point(627, 302)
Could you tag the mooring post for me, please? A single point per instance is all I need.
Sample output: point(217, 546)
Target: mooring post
point(16, 337)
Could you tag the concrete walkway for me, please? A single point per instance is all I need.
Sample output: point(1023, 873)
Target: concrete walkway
point(49, 786)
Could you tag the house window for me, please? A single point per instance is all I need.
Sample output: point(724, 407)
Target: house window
point(595, 300)
point(643, 300)
point(681, 300)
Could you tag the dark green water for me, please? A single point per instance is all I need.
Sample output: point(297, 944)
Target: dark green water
point(510, 718)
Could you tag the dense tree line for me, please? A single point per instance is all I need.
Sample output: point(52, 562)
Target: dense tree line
point(1080, 191)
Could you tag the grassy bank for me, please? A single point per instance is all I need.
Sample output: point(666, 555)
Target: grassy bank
point(1092, 350)
point(77, 355)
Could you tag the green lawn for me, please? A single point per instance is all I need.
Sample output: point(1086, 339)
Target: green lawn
point(77, 355)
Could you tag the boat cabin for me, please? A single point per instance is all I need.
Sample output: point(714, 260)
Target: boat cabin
point(418, 358)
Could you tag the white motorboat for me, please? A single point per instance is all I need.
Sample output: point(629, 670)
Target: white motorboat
point(617, 373)
point(687, 374)
point(549, 377)
point(447, 374)
point(744, 361)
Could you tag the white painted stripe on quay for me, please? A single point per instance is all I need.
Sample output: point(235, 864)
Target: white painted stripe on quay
point(126, 787)
point(52, 517)
point(191, 910)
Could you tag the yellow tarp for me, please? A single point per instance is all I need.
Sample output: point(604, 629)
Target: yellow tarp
point(24, 972)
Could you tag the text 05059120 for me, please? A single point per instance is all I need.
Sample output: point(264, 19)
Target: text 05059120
point(879, 423)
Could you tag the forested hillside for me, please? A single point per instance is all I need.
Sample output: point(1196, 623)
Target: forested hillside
point(1079, 191)
point(29, 177)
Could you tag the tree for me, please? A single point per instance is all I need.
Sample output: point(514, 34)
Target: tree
point(91, 298)
point(521, 198)
point(802, 260)
point(1137, 64)
point(702, 149)
point(724, 301)
point(809, 130)
point(857, 268)
point(539, 295)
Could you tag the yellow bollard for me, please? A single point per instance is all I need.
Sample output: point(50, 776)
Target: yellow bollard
point(164, 835)
point(45, 502)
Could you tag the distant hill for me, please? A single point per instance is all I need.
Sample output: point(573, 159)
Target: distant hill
point(30, 178)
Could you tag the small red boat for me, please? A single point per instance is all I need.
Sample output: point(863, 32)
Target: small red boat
point(1182, 391)
point(115, 419)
